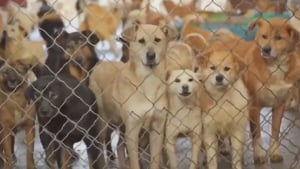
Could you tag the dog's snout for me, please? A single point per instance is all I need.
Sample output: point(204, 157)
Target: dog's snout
point(266, 50)
point(185, 88)
point(43, 111)
point(151, 55)
point(219, 78)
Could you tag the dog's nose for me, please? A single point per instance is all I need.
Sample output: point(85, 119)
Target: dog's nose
point(266, 50)
point(150, 55)
point(43, 111)
point(219, 78)
point(185, 88)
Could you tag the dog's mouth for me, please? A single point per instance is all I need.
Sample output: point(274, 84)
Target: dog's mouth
point(185, 94)
point(13, 84)
point(220, 85)
point(151, 64)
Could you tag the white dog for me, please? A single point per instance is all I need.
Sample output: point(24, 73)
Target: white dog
point(185, 114)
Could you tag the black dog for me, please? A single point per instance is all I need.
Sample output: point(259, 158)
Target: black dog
point(67, 113)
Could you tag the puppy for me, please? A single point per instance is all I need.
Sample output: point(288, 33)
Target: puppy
point(273, 68)
point(132, 100)
point(223, 101)
point(14, 112)
point(185, 114)
point(67, 113)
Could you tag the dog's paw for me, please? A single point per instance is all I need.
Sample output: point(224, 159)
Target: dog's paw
point(260, 160)
point(276, 158)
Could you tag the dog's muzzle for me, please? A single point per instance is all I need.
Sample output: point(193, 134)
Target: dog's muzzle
point(151, 58)
point(13, 84)
point(266, 52)
point(185, 91)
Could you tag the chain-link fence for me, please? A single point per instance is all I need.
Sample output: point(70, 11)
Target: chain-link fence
point(149, 84)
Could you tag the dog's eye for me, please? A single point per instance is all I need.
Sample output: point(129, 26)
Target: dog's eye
point(53, 95)
point(157, 40)
point(177, 80)
point(213, 67)
point(278, 37)
point(226, 69)
point(264, 36)
point(191, 79)
point(142, 41)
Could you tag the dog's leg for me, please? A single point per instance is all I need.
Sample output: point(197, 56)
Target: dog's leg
point(237, 141)
point(196, 147)
point(259, 152)
point(211, 146)
point(50, 147)
point(121, 150)
point(30, 136)
point(132, 141)
point(110, 153)
point(65, 159)
point(156, 142)
point(171, 151)
point(275, 154)
point(7, 141)
point(95, 149)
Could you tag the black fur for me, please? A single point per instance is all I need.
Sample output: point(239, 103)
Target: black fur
point(68, 111)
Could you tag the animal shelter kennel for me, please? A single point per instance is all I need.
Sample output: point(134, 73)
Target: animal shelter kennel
point(160, 84)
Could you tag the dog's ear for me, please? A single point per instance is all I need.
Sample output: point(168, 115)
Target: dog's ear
point(30, 94)
point(129, 34)
point(168, 74)
point(3, 40)
point(196, 41)
point(293, 33)
point(170, 33)
point(258, 22)
point(92, 37)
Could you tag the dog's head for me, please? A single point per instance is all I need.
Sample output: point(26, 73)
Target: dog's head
point(15, 31)
point(182, 82)
point(13, 74)
point(48, 94)
point(148, 43)
point(275, 37)
point(80, 46)
point(218, 68)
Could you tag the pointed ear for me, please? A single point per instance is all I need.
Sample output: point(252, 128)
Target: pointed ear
point(129, 34)
point(92, 37)
point(257, 22)
point(196, 41)
point(170, 33)
point(294, 34)
point(168, 74)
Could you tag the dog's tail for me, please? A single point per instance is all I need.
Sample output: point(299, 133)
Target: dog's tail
point(49, 25)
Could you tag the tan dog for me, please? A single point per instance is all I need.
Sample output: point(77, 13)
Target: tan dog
point(185, 114)
point(273, 69)
point(99, 20)
point(15, 38)
point(180, 10)
point(14, 113)
point(223, 102)
point(132, 98)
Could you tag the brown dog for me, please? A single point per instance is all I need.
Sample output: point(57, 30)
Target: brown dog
point(273, 68)
point(13, 113)
point(99, 20)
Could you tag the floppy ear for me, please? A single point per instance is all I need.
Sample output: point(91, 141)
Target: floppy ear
point(3, 40)
point(29, 94)
point(257, 22)
point(170, 33)
point(129, 34)
point(92, 37)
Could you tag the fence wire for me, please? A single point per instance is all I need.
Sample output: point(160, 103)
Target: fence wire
point(149, 84)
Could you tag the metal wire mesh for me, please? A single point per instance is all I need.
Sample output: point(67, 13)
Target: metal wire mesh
point(149, 84)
